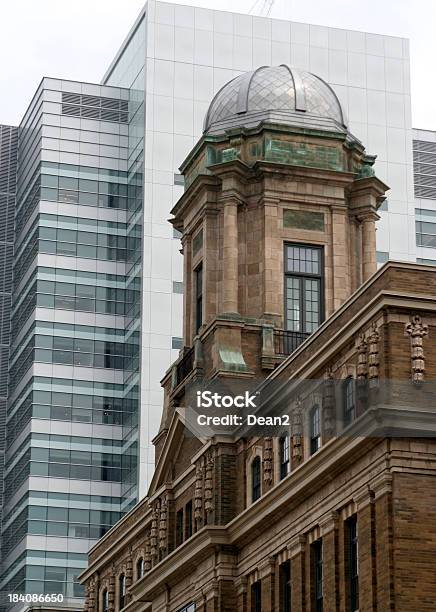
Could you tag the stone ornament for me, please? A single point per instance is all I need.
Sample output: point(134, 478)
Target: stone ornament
point(297, 452)
point(373, 355)
point(163, 523)
point(154, 530)
point(328, 404)
point(208, 484)
point(268, 460)
point(147, 555)
point(362, 358)
point(198, 495)
point(417, 330)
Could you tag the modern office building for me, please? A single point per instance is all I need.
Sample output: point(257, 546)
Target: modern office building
point(97, 303)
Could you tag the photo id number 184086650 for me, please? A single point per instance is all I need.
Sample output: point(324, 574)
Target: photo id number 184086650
point(35, 598)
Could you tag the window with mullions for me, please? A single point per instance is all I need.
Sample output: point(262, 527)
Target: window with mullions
point(284, 455)
point(349, 400)
point(352, 563)
point(303, 288)
point(315, 429)
point(189, 608)
point(256, 488)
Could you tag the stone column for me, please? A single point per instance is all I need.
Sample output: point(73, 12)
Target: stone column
point(267, 576)
point(340, 256)
point(188, 305)
point(297, 554)
point(382, 487)
point(369, 258)
point(329, 534)
point(241, 593)
point(272, 263)
point(230, 256)
point(364, 501)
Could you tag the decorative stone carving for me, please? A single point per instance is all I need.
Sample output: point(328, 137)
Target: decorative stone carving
point(297, 452)
point(362, 358)
point(328, 404)
point(416, 330)
point(198, 495)
point(154, 530)
point(268, 460)
point(163, 523)
point(373, 355)
point(147, 555)
point(208, 484)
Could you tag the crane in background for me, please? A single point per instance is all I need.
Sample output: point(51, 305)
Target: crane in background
point(262, 7)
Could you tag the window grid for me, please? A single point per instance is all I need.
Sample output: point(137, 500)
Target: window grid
point(303, 288)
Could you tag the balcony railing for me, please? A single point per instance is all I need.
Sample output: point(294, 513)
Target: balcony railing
point(286, 342)
point(185, 366)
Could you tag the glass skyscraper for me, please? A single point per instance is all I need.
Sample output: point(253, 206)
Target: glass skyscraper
point(97, 295)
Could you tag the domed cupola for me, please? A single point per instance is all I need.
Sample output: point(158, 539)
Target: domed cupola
point(275, 94)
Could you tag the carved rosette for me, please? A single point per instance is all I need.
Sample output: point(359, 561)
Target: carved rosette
point(208, 484)
point(163, 523)
point(328, 404)
point(268, 461)
point(417, 330)
point(297, 451)
point(198, 495)
point(154, 530)
point(373, 355)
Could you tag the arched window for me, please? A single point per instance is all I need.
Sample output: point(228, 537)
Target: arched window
point(255, 479)
point(349, 400)
point(315, 429)
point(284, 455)
point(105, 601)
point(139, 568)
point(122, 591)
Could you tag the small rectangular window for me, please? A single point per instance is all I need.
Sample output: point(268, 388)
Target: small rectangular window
point(179, 179)
point(177, 287)
point(176, 343)
point(349, 400)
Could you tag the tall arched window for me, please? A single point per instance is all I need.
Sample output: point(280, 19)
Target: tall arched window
point(315, 429)
point(140, 568)
point(105, 601)
point(255, 479)
point(349, 400)
point(122, 591)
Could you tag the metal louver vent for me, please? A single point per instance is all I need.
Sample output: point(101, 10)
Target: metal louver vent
point(93, 107)
point(424, 169)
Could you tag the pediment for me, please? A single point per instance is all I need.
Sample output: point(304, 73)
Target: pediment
point(180, 445)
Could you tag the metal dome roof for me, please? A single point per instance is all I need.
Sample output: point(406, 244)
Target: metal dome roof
point(277, 93)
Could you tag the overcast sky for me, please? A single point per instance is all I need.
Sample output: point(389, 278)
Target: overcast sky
point(77, 40)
